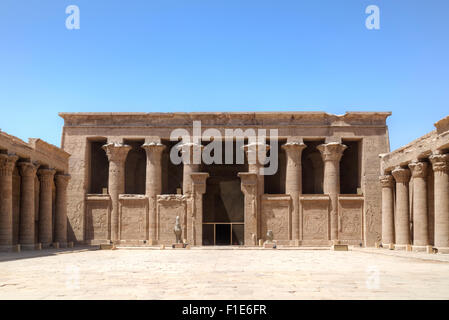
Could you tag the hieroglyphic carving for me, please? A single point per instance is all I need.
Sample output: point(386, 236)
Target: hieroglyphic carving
point(315, 218)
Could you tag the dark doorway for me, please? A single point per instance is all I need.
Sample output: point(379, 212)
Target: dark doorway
point(135, 168)
point(350, 168)
point(98, 167)
point(223, 204)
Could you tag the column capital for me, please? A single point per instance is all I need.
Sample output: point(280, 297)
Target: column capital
point(27, 169)
point(401, 174)
point(153, 147)
point(418, 169)
point(116, 152)
point(191, 152)
point(386, 181)
point(7, 162)
point(199, 181)
point(293, 147)
point(440, 162)
point(62, 180)
point(256, 152)
point(332, 151)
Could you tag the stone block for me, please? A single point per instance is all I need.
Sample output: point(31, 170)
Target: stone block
point(107, 246)
point(340, 247)
point(178, 245)
point(269, 245)
point(391, 246)
point(408, 247)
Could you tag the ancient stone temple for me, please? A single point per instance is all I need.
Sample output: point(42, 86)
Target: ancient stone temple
point(33, 182)
point(126, 188)
point(415, 192)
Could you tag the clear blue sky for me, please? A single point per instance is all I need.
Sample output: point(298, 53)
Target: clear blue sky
point(223, 55)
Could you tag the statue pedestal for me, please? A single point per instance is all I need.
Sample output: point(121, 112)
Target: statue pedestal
point(179, 245)
point(271, 245)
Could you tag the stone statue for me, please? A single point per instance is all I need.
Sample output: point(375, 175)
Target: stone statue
point(269, 236)
point(178, 230)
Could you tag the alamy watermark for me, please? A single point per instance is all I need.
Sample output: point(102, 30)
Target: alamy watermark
point(73, 20)
point(190, 150)
point(372, 22)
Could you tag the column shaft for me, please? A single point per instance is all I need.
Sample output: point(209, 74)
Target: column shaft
point(387, 183)
point(153, 184)
point(402, 177)
point(420, 220)
point(61, 209)
point(331, 154)
point(45, 206)
point(117, 155)
point(7, 163)
point(293, 183)
point(27, 201)
point(440, 164)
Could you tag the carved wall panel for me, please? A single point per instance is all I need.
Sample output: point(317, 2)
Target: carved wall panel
point(133, 217)
point(168, 207)
point(315, 217)
point(276, 216)
point(97, 217)
point(350, 211)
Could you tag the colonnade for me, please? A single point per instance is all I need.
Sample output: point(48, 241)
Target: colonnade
point(47, 233)
point(397, 222)
point(331, 154)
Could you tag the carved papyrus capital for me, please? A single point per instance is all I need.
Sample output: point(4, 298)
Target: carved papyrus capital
point(418, 169)
point(199, 182)
point(62, 180)
point(386, 181)
point(332, 151)
point(256, 153)
point(27, 169)
point(440, 162)
point(154, 151)
point(116, 152)
point(294, 150)
point(401, 175)
point(7, 163)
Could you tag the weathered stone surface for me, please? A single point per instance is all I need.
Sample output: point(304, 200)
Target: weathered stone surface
point(428, 195)
point(295, 128)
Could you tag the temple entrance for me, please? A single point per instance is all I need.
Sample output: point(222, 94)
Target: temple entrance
point(223, 206)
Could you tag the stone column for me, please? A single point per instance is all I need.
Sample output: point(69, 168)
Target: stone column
point(45, 206)
point(402, 177)
point(153, 184)
point(198, 189)
point(7, 163)
point(256, 155)
point(116, 185)
point(191, 158)
point(62, 181)
point(440, 164)
point(27, 200)
point(420, 220)
point(249, 185)
point(293, 183)
point(387, 183)
point(331, 154)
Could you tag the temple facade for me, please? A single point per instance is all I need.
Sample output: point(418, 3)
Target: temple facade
point(125, 187)
point(33, 184)
point(415, 193)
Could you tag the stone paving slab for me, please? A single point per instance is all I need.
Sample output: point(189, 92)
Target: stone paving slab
point(223, 274)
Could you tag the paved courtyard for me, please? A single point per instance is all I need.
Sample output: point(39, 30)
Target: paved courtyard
point(223, 274)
